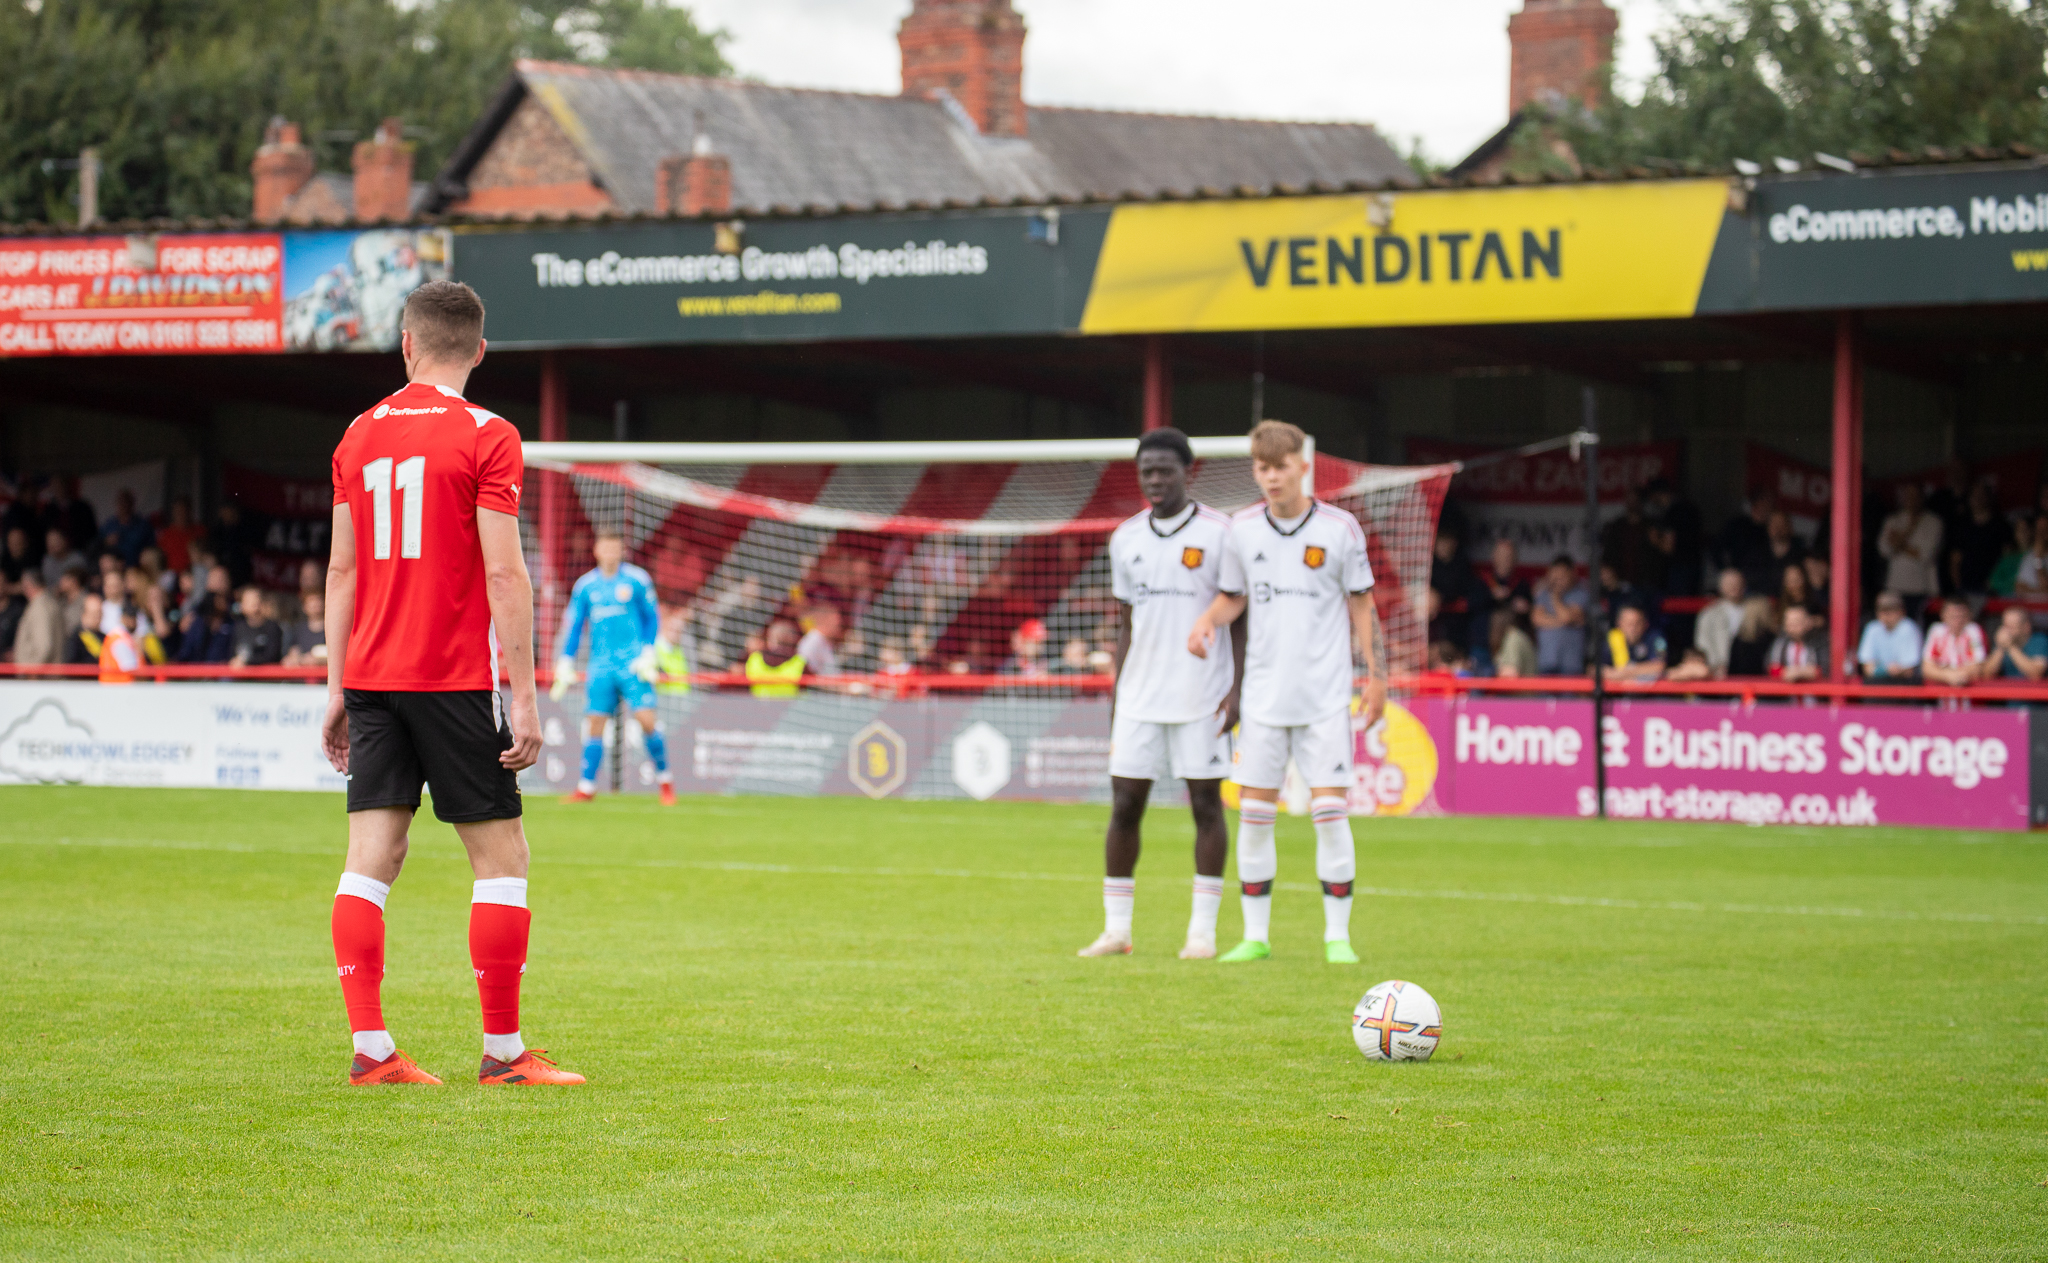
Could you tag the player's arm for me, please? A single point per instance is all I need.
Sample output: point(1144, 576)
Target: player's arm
point(341, 618)
point(572, 636)
point(511, 597)
point(1372, 652)
point(1222, 612)
point(1118, 654)
point(650, 631)
point(1240, 635)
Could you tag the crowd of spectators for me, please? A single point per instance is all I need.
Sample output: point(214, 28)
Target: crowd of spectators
point(1952, 578)
point(77, 588)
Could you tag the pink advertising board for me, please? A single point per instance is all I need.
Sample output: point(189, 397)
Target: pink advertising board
point(1958, 769)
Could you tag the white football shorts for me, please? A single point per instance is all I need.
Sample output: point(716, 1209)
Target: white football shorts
point(1145, 751)
point(1322, 750)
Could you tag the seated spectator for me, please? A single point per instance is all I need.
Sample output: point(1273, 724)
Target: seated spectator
point(1714, 632)
point(306, 644)
point(59, 556)
point(177, 535)
point(1800, 652)
point(2018, 651)
point(818, 646)
point(1560, 617)
point(1954, 654)
point(120, 653)
point(206, 631)
point(82, 647)
point(2030, 581)
point(1504, 588)
point(1635, 652)
point(17, 558)
point(258, 640)
point(13, 604)
point(1752, 643)
point(1074, 657)
point(113, 598)
point(775, 667)
point(1890, 650)
point(71, 595)
point(1910, 543)
point(39, 640)
point(1027, 649)
point(1795, 589)
point(126, 533)
point(892, 660)
point(1692, 665)
point(1447, 657)
point(1513, 653)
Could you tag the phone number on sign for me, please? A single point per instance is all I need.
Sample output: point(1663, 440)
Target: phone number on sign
point(1691, 802)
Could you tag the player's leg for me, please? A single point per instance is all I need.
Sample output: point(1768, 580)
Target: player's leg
point(461, 735)
point(1325, 757)
point(1201, 757)
point(600, 702)
point(1261, 765)
point(1120, 845)
point(383, 791)
point(640, 697)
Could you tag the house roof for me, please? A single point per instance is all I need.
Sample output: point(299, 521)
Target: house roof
point(799, 148)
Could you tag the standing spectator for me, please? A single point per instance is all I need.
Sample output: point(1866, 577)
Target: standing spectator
point(1951, 500)
point(1890, 650)
point(1678, 533)
point(2030, 580)
point(1819, 596)
point(59, 556)
point(1746, 534)
point(1513, 653)
point(1763, 568)
point(178, 535)
point(229, 543)
point(1635, 651)
point(2006, 574)
point(1560, 618)
point(126, 533)
point(819, 646)
point(306, 643)
point(1628, 543)
point(18, 557)
point(1616, 592)
point(1452, 580)
point(1714, 632)
point(71, 595)
point(1955, 646)
point(13, 604)
point(207, 631)
point(113, 596)
point(1799, 653)
point(1794, 588)
point(1910, 543)
point(258, 640)
point(2017, 650)
point(773, 667)
point(39, 639)
point(1975, 544)
point(65, 512)
point(82, 646)
point(1506, 589)
point(21, 515)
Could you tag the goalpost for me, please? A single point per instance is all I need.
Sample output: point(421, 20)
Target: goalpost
point(951, 561)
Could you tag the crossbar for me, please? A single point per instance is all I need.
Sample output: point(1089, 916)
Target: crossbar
point(983, 452)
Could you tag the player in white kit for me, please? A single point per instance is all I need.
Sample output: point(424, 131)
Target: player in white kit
point(1301, 566)
point(1172, 711)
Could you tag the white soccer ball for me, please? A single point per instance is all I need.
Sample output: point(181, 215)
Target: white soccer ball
point(1397, 1021)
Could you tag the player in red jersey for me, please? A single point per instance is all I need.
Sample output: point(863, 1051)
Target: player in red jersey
point(427, 586)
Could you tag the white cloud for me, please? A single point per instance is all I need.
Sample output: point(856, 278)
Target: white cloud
point(1436, 70)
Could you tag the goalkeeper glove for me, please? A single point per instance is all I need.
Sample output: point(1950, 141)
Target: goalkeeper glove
point(643, 666)
point(565, 677)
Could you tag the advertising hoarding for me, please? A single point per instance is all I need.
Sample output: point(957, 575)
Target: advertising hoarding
point(211, 294)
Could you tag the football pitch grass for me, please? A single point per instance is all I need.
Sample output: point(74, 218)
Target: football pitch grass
point(838, 1029)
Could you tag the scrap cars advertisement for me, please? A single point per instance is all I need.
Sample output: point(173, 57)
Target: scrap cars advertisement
point(142, 295)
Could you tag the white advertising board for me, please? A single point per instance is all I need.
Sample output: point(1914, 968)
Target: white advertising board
point(225, 736)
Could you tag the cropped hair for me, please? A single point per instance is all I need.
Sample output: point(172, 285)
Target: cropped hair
point(1274, 441)
point(446, 320)
point(1166, 438)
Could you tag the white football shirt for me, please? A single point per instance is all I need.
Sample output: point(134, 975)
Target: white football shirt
point(1297, 664)
point(1166, 572)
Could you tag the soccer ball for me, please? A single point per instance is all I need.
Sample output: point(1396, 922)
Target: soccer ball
point(1397, 1021)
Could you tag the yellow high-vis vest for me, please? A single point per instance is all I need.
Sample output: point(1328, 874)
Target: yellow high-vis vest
point(670, 660)
point(779, 681)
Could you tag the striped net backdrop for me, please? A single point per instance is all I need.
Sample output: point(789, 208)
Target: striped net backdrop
point(935, 570)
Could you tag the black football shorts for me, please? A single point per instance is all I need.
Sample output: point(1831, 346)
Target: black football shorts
point(449, 741)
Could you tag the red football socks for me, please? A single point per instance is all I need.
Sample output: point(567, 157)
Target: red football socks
point(497, 950)
point(359, 949)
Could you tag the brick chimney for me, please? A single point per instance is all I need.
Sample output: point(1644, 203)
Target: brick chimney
point(700, 184)
point(383, 166)
point(1558, 50)
point(974, 49)
point(283, 165)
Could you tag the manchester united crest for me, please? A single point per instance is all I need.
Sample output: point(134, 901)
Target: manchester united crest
point(1313, 556)
point(1191, 557)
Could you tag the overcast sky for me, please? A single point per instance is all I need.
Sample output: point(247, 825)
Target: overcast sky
point(1437, 69)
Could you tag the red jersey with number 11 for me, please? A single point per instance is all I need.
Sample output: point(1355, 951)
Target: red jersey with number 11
point(413, 471)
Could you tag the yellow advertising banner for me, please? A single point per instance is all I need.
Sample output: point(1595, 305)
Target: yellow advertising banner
point(1466, 256)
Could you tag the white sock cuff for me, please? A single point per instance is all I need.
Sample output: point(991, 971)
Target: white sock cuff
point(1257, 811)
point(1119, 885)
point(510, 891)
point(363, 888)
point(1328, 810)
point(1208, 885)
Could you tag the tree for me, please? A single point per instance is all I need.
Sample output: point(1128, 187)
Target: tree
point(1763, 78)
point(175, 93)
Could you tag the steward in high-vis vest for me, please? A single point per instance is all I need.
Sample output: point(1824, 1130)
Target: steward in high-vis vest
point(118, 655)
point(775, 669)
point(674, 668)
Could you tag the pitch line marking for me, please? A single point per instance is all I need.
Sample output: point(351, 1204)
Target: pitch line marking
point(1381, 892)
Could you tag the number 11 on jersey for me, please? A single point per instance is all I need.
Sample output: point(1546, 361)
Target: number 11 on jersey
point(412, 482)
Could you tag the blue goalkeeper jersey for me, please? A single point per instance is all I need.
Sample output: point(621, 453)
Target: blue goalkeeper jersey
point(619, 610)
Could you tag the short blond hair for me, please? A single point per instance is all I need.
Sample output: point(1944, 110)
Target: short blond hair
point(1274, 441)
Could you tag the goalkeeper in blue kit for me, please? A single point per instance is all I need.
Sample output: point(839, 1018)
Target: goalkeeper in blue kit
point(615, 602)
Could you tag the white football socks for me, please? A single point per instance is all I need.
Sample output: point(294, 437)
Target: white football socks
point(1336, 865)
point(1208, 901)
point(376, 1045)
point(506, 1048)
point(364, 888)
point(1119, 894)
point(1258, 861)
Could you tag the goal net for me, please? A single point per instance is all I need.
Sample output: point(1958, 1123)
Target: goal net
point(949, 562)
